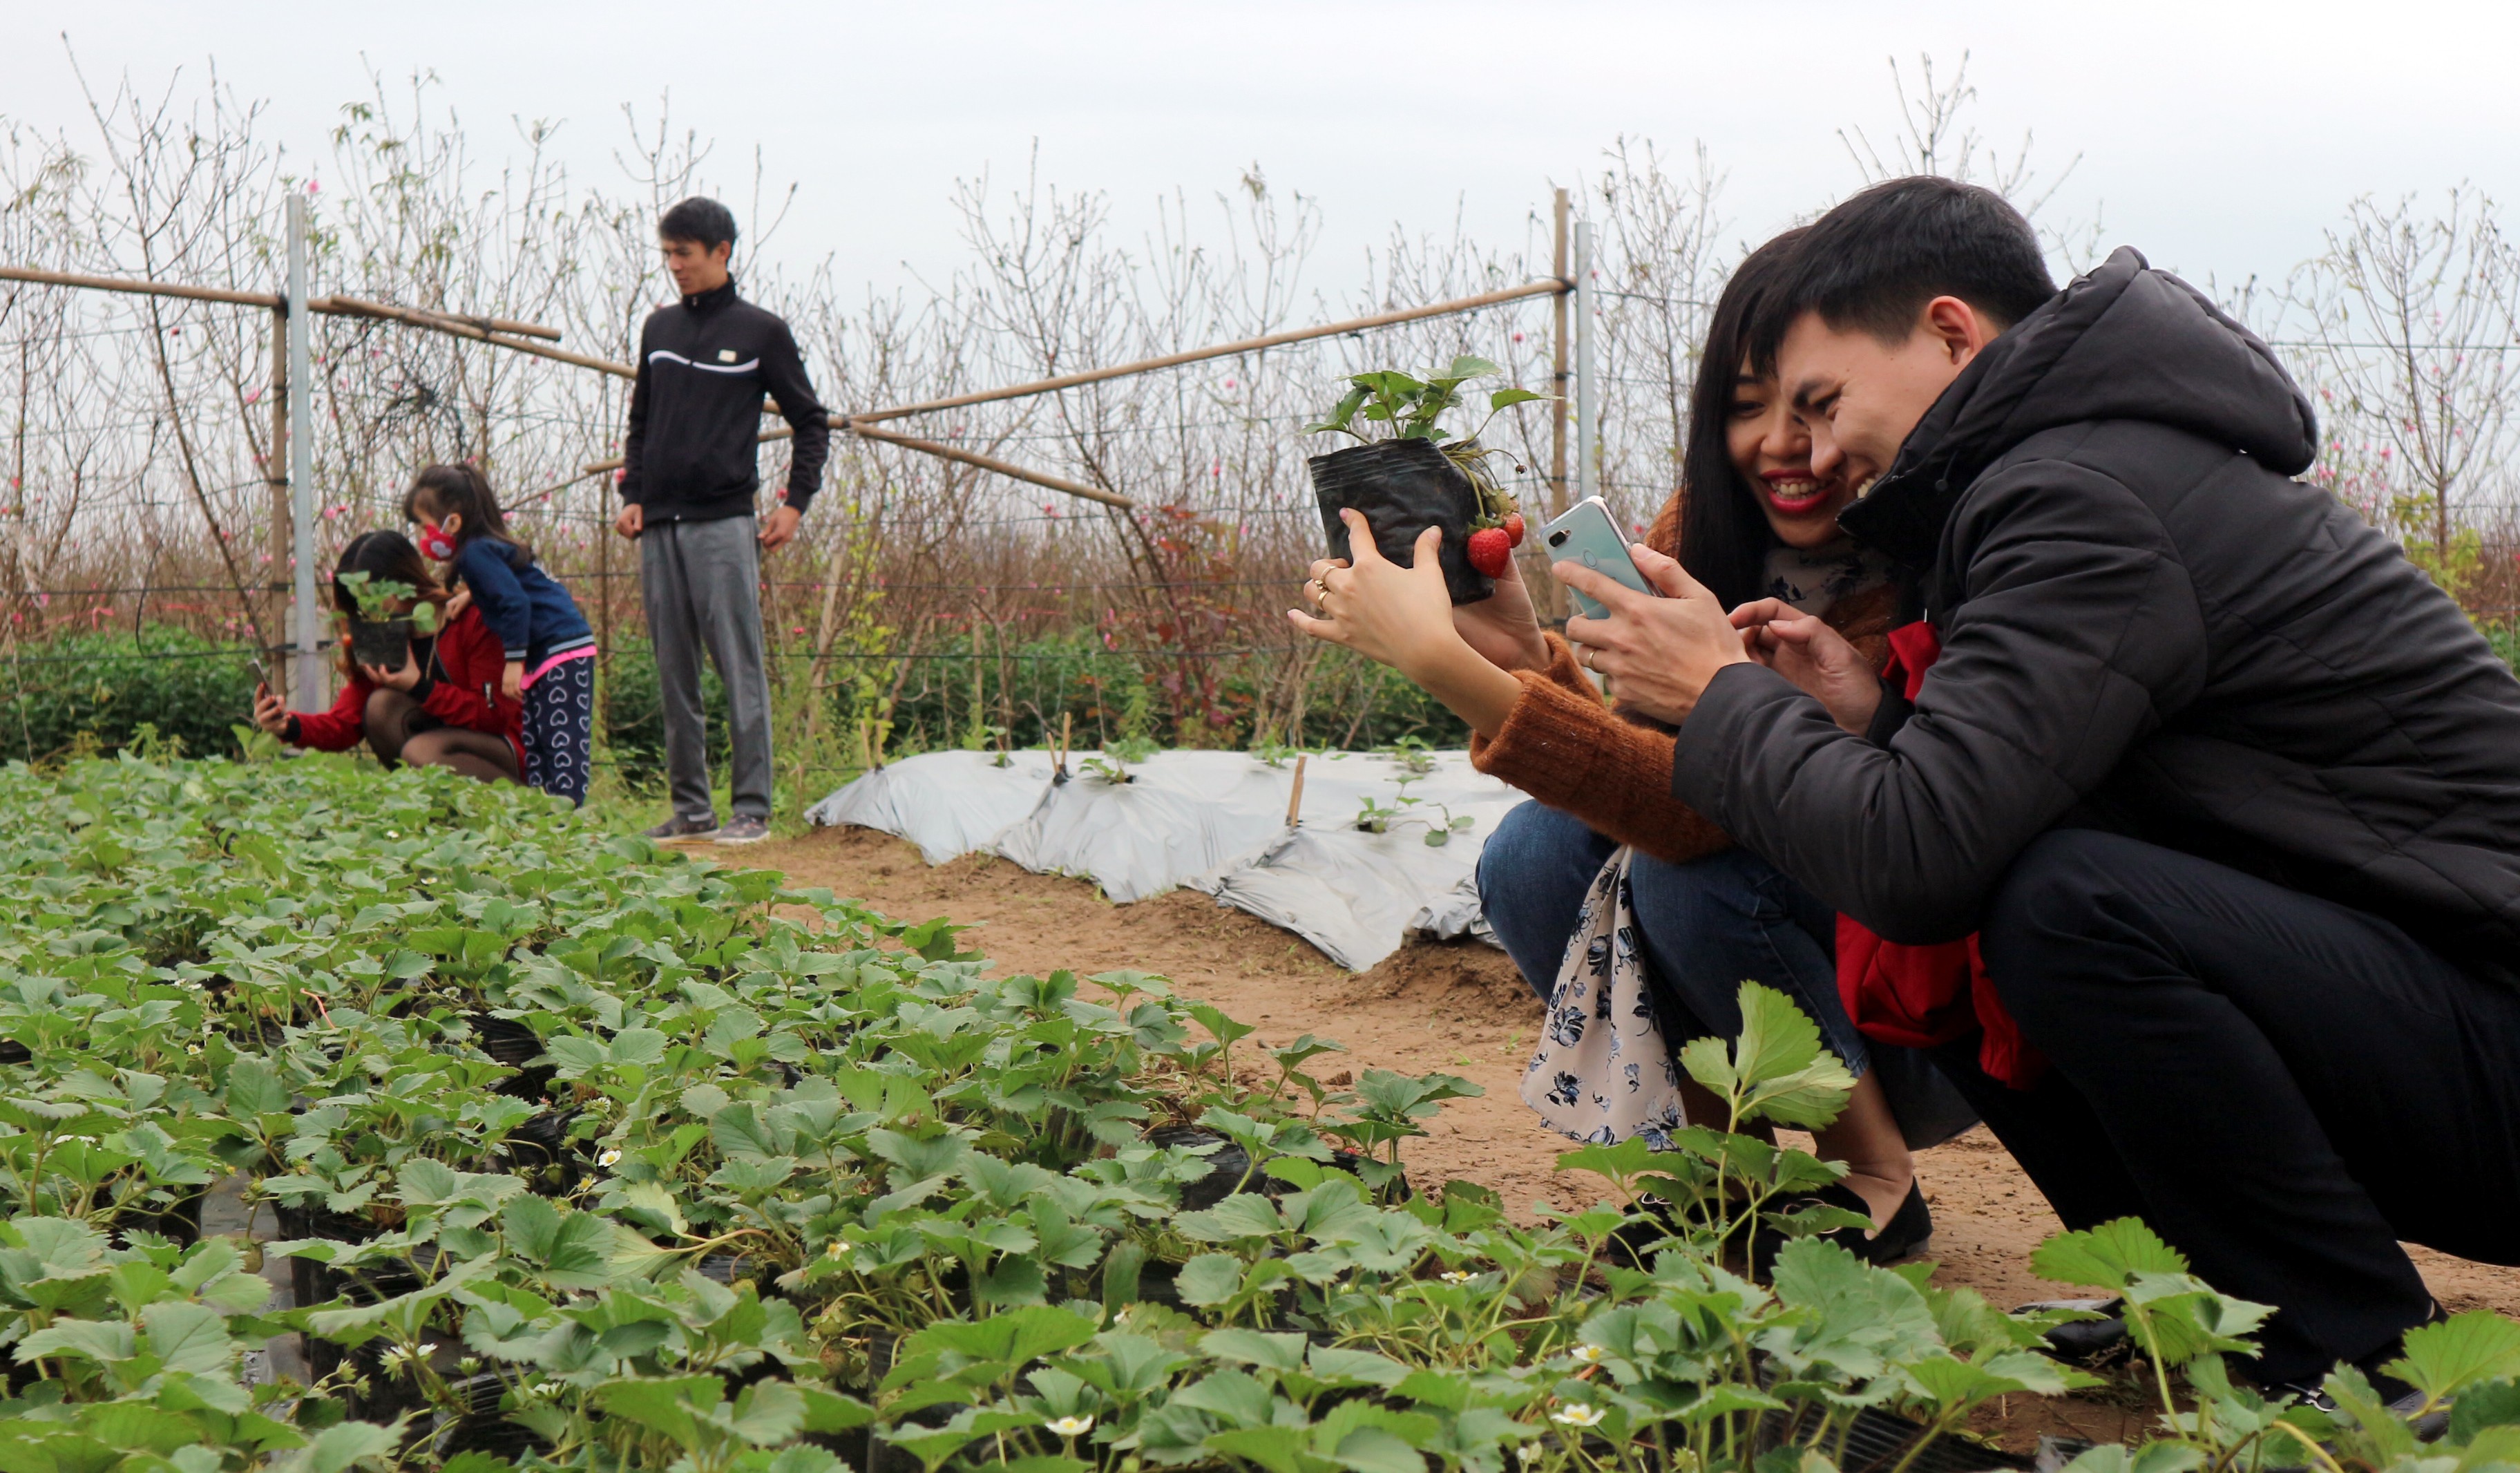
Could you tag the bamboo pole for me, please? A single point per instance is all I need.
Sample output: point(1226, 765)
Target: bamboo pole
point(989, 463)
point(1551, 286)
point(858, 423)
point(936, 449)
point(275, 478)
point(1557, 368)
point(268, 300)
point(1588, 414)
point(1295, 798)
point(460, 327)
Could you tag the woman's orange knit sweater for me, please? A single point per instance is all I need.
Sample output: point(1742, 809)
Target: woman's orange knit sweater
point(1612, 768)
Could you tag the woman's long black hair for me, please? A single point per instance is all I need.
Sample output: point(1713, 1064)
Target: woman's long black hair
point(1724, 534)
point(384, 557)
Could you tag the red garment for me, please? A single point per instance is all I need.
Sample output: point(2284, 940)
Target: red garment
point(1919, 996)
point(467, 661)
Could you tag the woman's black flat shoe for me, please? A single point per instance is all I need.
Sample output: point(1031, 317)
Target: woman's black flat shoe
point(1904, 1236)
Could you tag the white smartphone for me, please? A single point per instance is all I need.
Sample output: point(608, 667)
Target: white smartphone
point(1587, 534)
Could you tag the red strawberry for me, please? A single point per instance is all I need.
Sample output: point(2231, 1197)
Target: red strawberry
point(1513, 527)
point(1491, 549)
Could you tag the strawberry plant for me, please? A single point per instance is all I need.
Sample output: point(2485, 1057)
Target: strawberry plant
point(591, 1156)
point(1390, 406)
point(383, 600)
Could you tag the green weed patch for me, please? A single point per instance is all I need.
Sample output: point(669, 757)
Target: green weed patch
point(588, 1156)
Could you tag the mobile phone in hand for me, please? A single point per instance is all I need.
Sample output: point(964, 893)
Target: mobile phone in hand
point(1587, 534)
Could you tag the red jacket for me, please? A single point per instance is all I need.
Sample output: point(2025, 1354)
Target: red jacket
point(464, 665)
point(1921, 996)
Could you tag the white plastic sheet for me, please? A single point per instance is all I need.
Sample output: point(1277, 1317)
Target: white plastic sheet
point(1217, 821)
point(1358, 896)
point(947, 802)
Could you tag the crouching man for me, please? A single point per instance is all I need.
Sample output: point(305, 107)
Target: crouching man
point(2231, 790)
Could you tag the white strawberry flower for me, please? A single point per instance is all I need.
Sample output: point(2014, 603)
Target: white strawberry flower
point(1070, 1426)
point(608, 1157)
point(1456, 1276)
point(1589, 1355)
point(1578, 1415)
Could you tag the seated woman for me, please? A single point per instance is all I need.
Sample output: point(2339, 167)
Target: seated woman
point(1750, 522)
point(443, 709)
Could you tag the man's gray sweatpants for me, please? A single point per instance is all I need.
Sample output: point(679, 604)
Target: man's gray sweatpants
point(702, 584)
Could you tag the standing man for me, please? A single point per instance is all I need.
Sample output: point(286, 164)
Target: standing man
point(691, 469)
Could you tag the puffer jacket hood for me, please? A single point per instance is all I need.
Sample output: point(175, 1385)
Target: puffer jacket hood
point(2123, 343)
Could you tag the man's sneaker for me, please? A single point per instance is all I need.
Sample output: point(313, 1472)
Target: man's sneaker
point(679, 827)
point(743, 828)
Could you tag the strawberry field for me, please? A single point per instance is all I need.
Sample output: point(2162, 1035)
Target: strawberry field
point(374, 1121)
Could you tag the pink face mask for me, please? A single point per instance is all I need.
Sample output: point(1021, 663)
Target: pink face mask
point(436, 544)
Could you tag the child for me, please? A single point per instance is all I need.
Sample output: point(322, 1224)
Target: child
point(550, 651)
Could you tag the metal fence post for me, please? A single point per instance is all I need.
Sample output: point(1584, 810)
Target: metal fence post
point(1587, 398)
point(308, 686)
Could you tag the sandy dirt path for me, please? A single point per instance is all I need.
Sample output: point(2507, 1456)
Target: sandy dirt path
point(1456, 1007)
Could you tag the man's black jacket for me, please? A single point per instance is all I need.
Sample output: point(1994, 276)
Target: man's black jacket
point(2147, 627)
point(695, 414)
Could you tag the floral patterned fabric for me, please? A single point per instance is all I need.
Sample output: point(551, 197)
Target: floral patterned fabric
point(1815, 577)
point(1603, 1072)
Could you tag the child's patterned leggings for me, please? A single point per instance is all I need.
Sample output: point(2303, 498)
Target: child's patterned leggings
point(560, 727)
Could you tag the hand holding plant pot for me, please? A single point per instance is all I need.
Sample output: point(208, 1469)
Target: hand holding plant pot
point(403, 675)
point(1403, 482)
point(391, 612)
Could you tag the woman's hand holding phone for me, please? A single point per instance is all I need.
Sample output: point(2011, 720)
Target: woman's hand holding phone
point(1661, 651)
point(268, 712)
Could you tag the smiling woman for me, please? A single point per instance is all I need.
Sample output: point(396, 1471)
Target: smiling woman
point(1754, 524)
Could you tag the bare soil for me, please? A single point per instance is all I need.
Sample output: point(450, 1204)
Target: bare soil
point(1458, 1007)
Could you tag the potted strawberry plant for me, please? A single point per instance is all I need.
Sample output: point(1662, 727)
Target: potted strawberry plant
point(391, 612)
point(1403, 478)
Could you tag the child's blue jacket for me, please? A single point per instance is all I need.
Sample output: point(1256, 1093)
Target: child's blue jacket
point(527, 607)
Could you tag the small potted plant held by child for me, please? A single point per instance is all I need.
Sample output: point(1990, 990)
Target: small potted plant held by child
point(380, 635)
point(1402, 479)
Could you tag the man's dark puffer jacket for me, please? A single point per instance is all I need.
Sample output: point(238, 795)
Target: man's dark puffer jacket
point(2147, 627)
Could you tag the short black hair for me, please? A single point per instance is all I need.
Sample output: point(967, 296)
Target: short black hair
point(1874, 261)
point(699, 219)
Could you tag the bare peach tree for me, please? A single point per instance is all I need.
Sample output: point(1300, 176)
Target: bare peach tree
point(927, 602)
point(2411, 324)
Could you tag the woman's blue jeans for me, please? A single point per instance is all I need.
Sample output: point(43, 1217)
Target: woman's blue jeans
point(1705, 928)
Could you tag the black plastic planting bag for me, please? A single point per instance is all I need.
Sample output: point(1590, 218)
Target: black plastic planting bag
point(1403, 487)
point(385, 643)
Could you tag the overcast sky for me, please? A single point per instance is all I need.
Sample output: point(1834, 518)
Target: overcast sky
point(2220, 137)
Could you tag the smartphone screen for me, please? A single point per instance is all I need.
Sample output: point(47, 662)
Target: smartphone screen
point(1587, 534)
